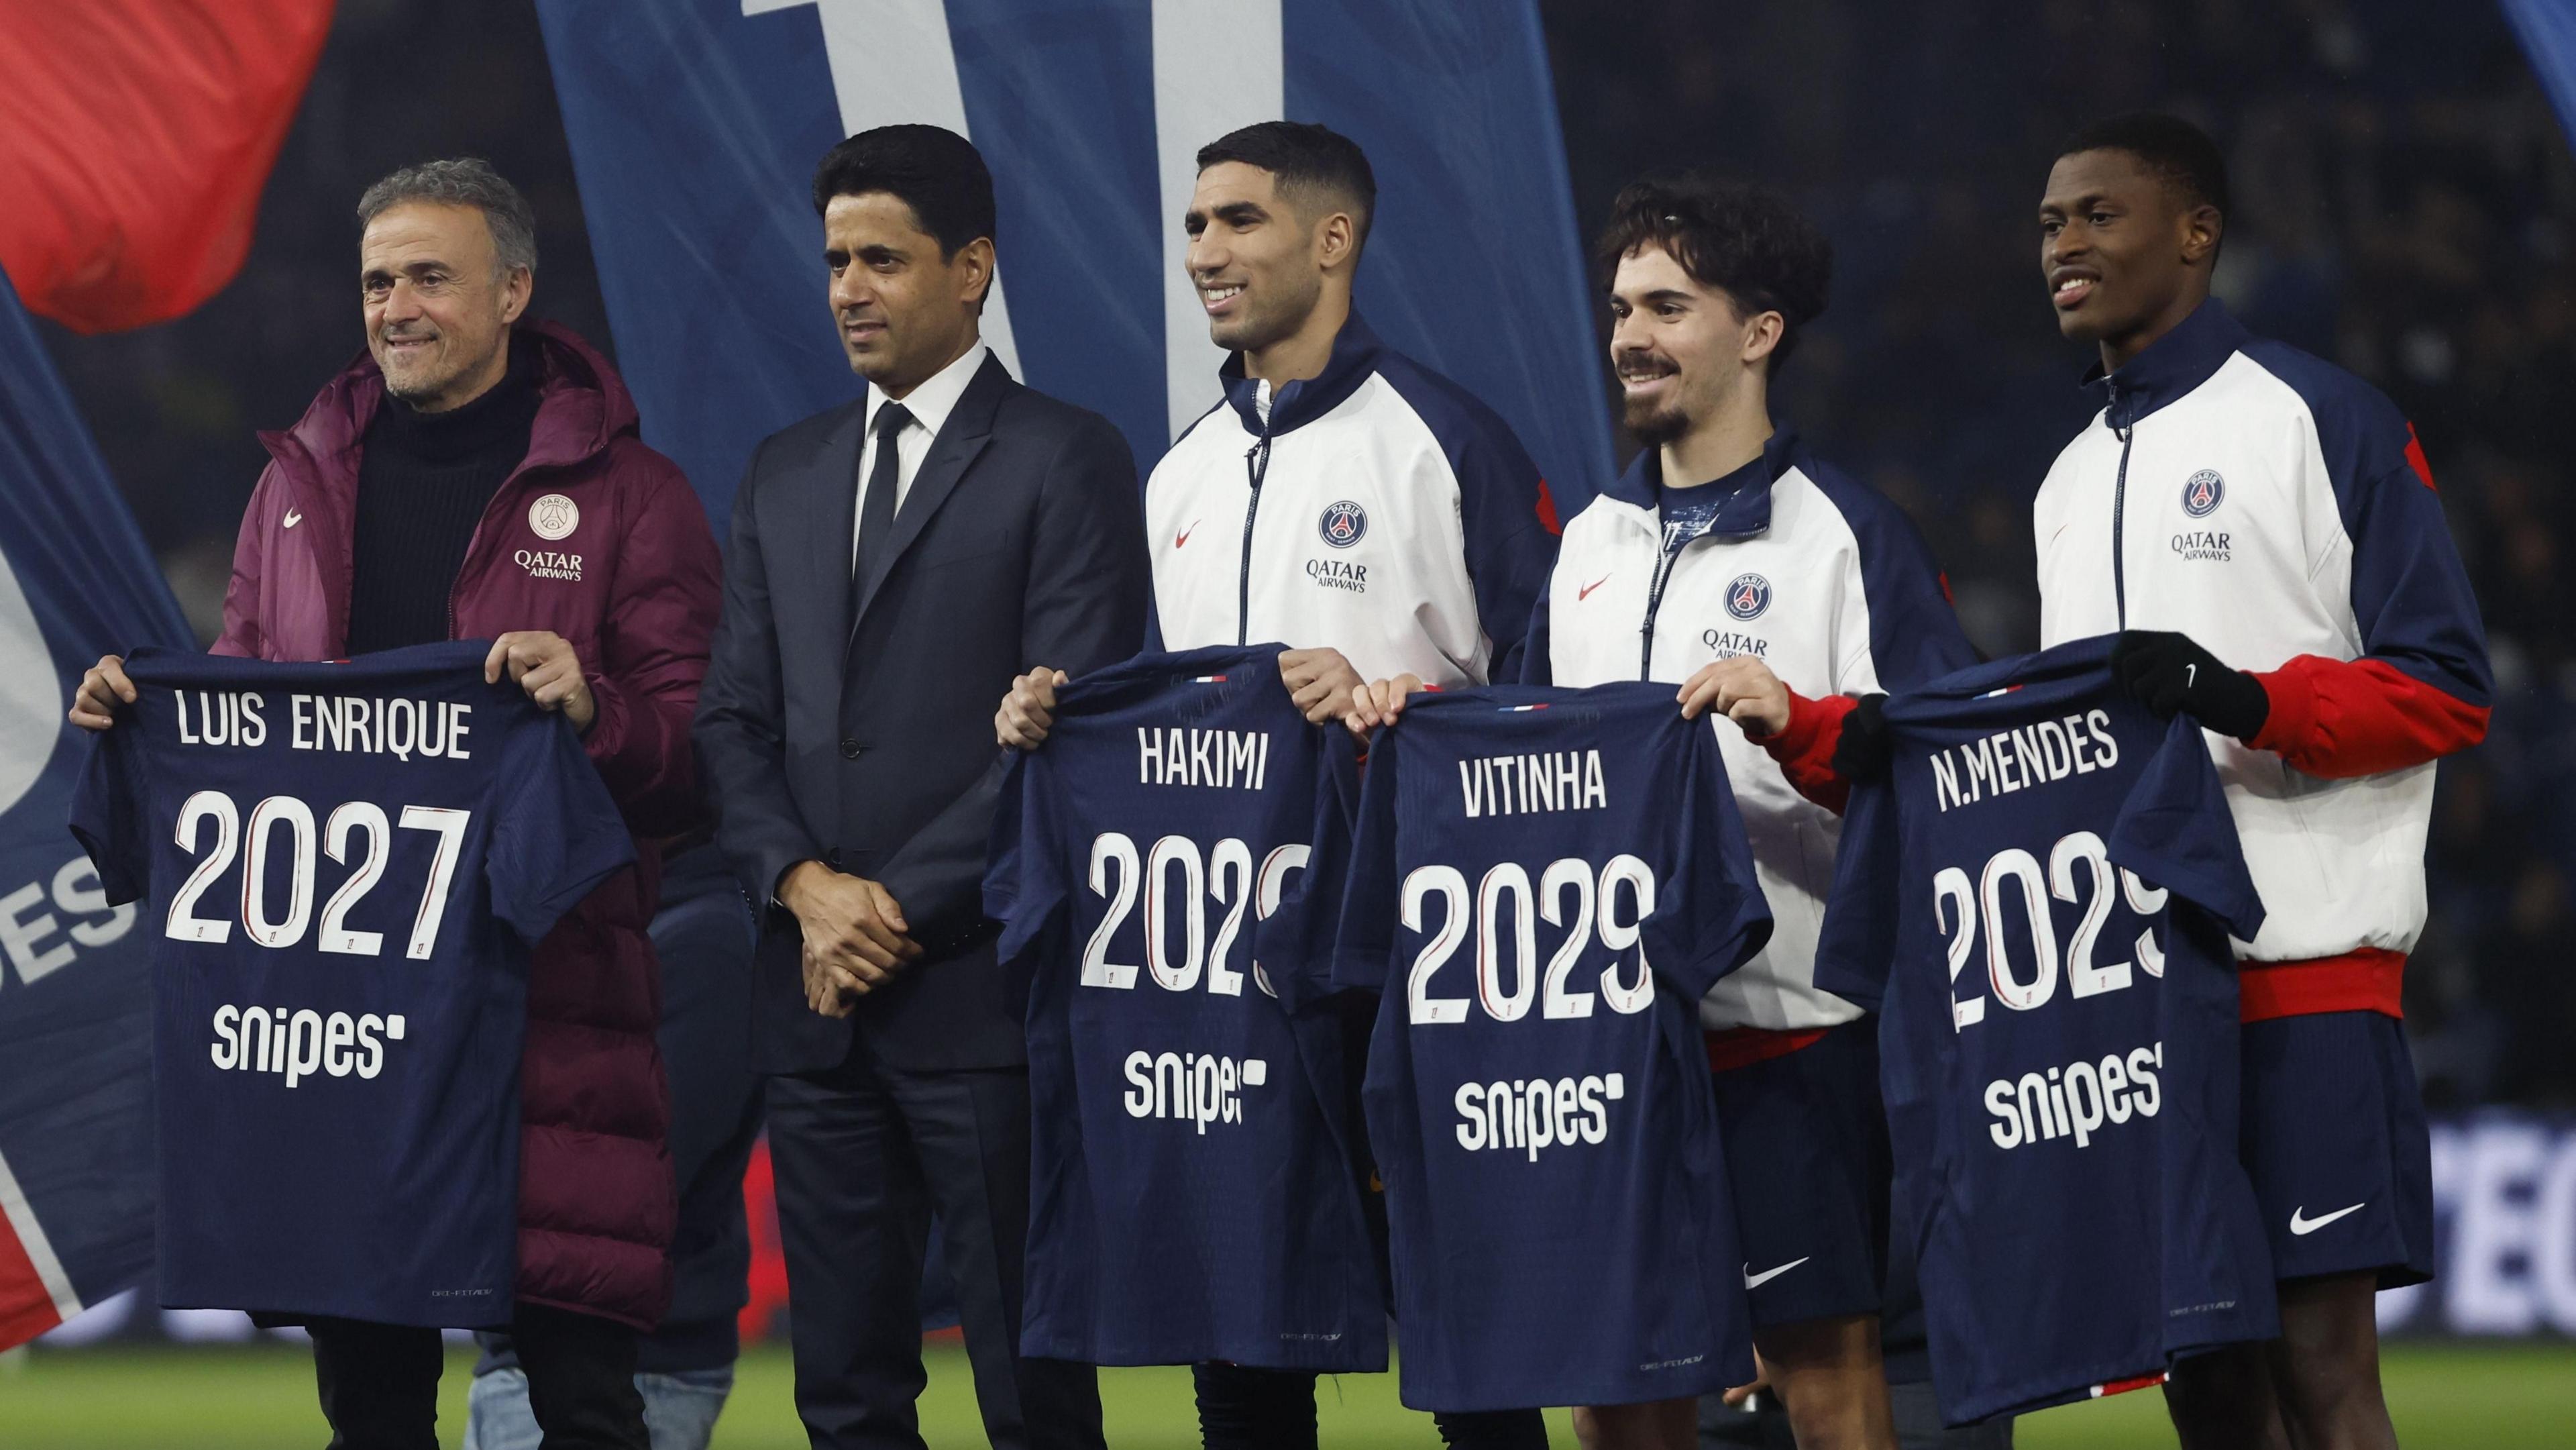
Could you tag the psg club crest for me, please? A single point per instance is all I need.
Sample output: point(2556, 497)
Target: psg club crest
point(2202, 492)
point(553, 516)
point(1343, 524)
point(1748, 596)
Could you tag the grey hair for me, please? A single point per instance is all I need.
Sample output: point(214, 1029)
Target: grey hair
point(465, 181)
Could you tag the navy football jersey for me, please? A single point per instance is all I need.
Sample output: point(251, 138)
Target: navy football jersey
point(347, 864)
point(1192, 1189)
point(1543, 885)
point(2037, 900)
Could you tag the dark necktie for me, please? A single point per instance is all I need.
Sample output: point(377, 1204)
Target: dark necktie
point(876, 506)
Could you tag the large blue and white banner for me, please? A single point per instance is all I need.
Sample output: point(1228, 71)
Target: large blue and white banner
point(76, 582)
point(696, 125)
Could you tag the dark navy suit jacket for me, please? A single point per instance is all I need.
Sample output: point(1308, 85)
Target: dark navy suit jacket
point(851, 721)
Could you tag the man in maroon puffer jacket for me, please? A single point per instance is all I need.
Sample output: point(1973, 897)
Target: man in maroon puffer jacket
point(473, 478)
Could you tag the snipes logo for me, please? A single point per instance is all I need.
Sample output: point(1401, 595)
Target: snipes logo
point(302, 1043)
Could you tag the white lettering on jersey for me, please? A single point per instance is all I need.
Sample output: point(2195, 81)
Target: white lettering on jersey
point(302, 1043)
point(2022, 757)
point(231, 835)
point(356, 725)
point(1195, 1087)
point(1524, 1117)
point(2074, 1101)
point(1513, 785)
point(1223, 759)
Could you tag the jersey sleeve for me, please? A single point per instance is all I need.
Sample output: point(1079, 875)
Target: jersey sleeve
point(110, 813)
point(2176, 831)
point(1857, 946)
point(1023, 879)
point(557, 834)
point(1293, 939)
point(1710, 915)
point(1914, 635)
point(1364, 937)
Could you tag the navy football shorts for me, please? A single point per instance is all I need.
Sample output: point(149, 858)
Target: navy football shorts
point(1806, 1151)
point(2335, 1141)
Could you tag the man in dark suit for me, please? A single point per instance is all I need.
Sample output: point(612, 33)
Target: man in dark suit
point(895, 563)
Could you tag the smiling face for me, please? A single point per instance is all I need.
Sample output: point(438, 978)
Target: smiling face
point(903, 311)
point(1679, 346)
point(2126, 255)
point(438, 306)
point(1257, 263)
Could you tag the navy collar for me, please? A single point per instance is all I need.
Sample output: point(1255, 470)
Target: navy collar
point(1355, 354)
point(2171, 366)
point(1747, 510)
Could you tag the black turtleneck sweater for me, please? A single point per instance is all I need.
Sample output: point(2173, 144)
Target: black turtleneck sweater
point(424, 480)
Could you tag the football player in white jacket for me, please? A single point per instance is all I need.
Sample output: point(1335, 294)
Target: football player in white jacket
point(1341, 499)
point(2261, 529)
point(1728, 560)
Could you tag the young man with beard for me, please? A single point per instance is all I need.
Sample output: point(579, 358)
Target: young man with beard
point(1772, 589)
point(1342, 499)
point(2261, 530)
point(436, 490)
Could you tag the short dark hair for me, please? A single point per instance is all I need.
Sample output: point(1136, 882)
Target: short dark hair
point(1303, 157)
point(933, 170)
point(1747, 241)
point(2177, 152)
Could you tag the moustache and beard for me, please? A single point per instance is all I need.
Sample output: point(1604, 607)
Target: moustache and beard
point(1651, 422)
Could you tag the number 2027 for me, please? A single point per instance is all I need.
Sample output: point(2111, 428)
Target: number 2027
point(349, 820)
point(2077, 862)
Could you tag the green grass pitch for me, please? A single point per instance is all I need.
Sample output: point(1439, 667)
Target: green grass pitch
point(2446, 1397)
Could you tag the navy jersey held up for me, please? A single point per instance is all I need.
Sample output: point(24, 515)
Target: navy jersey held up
point(2036, 900)
point(1543, 885)
point(1192, 1192)
point(347, 863)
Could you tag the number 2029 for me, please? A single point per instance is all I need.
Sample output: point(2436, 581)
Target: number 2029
point(258, 836)
point(2079, 867)
point(1593, 914)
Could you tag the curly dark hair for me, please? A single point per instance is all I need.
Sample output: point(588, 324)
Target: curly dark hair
point(1745, 240)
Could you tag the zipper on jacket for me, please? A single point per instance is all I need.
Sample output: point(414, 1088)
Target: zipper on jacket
point(1654, 603)
point(1256, 467)
point(2119, 507)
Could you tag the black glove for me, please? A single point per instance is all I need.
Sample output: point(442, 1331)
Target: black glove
point(1863, 750)
point(2167, 672)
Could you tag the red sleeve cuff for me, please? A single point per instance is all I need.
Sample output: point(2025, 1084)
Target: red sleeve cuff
point(2340, 718)
point(1805, 748)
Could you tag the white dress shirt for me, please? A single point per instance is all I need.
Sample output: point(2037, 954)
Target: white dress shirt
point(930, 404)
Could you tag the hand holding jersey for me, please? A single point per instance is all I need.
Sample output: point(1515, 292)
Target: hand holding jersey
point(1340, 498)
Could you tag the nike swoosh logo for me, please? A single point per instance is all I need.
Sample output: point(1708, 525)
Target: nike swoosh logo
point(1585, 593)
point(1756, 1281)
point(294, 517)
point(1185, 533)
point(2303, 1226)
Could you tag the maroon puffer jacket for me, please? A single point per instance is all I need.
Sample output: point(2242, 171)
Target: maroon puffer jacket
point(598, 538)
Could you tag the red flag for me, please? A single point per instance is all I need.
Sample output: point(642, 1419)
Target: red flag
point(135, 137)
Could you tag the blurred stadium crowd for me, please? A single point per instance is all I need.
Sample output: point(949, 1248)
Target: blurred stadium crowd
point(2405, 206)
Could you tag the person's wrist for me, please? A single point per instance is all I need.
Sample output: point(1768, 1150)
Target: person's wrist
point(793, 881)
